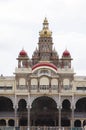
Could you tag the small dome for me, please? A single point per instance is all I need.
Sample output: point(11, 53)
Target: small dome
point(66, 53)
point(23, 53)
point(45, 31)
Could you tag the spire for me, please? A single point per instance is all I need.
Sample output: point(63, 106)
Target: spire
point(45, 31)
point(45, 23)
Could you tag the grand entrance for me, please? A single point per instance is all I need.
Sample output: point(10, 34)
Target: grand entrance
point(44, 112)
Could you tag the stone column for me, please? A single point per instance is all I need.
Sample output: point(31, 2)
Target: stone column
point(58, 90)
point(72, 114)
point(50, 87)
point(15, 109)
point(59, 112)
point(16, 123)
point(29, 85)
point(28, 108)
point(82, 123)
point(6, 122)
point(38, 88)
point(60, 85)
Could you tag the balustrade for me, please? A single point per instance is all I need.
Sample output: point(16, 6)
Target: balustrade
point(36, 87)
point(40, 128)
point(44, 87)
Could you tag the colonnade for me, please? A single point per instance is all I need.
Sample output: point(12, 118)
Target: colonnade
point(29, 107)
point(59, 107)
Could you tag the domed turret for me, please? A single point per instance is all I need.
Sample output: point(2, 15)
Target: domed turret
point(23, 53)
point(66, 59)
point(66, 53)
point(45, 31)
point(23, 60)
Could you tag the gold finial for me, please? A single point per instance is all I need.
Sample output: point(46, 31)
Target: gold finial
point(45, 23)
point(45, 31)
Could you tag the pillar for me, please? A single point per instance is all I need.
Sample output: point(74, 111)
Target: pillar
point(15, 109)
point(38, 86)
point(82, 123)
point(59, 112)
point(6, 122)
point(29, 85)
point(50, 86)
point(72, 114)
point(28, 108)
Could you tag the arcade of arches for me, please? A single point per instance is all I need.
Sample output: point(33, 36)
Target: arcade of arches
point(44, 112)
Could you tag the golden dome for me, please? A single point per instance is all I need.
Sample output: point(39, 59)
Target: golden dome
point(45, 31)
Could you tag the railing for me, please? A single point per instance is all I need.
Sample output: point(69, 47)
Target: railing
point(39, 128)
point(80, 114)
point(44, 87)
point(37, 88)
point(24, 113)
point(12, 114)
point(7, 114)
point(22, 87)
point(7, 128)
point(6, 88)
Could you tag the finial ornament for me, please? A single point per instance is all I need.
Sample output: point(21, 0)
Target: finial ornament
point(45, 23)
point(45, 31)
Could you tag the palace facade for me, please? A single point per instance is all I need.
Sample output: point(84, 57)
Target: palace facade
point(44, 90)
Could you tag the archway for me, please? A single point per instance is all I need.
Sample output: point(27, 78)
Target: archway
point(5, 104)
point(65, 113)
point(11, 122)
point(65, 122)
point(77, 123)
point(84, 123)
point(6, 108)
point(22, 110)
point(44, 112)
point(66, 105)
point(23, 122)
point(79, 103)
point(2, 122)
point(22, 105)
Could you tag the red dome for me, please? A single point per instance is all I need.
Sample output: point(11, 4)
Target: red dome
point(66, 53)
point(23, 53)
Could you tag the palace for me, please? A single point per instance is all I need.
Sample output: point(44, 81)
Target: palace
point(44, 91)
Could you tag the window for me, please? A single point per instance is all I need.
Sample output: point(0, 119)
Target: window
point(81, 88)
point(5, 87)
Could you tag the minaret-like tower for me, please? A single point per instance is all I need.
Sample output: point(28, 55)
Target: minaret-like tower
point(45, 42)
point(45, 51)
point(23, 60)
point(66, 59)
point(23, 70)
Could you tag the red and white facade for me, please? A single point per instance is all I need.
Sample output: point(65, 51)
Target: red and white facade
point(44, 90)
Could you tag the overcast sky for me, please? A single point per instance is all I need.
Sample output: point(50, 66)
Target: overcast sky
point(21, 21)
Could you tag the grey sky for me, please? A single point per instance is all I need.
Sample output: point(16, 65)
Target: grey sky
point(21, 21)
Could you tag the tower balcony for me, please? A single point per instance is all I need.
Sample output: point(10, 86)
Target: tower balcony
point(65, 70)
point(37, 88)
point(23, 70)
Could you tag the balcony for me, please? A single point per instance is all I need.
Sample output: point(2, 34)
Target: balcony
point(23, 70)
point(80, 114)
point(36, 88)
point(39, 128)
point(43, 88)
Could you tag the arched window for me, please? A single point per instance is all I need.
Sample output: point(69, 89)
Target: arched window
point(22, 81)
point(44, 81)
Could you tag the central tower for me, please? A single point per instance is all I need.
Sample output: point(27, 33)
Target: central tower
point(45, 51)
